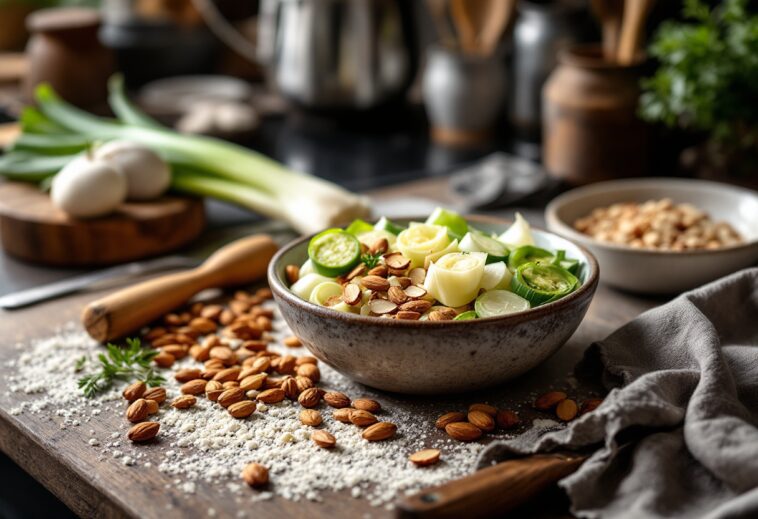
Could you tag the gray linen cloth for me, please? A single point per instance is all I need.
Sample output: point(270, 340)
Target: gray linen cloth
point(677, 436)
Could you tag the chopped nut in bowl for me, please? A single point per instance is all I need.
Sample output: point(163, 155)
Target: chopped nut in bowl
point(658, 235)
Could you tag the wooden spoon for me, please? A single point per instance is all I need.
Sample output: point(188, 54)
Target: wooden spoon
point(493, 491)
point(499, 18)
point(609, 13)
point(126, 311)
point(465, 18)
point(632, 29)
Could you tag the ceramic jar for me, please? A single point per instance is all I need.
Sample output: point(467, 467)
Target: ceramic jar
point(591, 130)
point(65, 52)
point(463, 95)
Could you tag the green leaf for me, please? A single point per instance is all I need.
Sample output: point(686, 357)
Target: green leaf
point(124, 364)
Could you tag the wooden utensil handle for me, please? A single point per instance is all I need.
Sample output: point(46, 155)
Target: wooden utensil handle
point(125, 311)
point(491, 491)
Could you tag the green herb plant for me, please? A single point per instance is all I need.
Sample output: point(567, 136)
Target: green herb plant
point(126, 364)
point(371, 260)
point(707, 80)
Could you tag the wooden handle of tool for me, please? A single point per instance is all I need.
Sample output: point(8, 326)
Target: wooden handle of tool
point(127, 310)
point(493, 491)
point(632, 29)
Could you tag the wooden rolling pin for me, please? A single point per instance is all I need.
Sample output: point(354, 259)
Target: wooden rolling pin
point(126, 311)
point(493, 491)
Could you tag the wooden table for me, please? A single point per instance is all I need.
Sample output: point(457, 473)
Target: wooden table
point(62, 462)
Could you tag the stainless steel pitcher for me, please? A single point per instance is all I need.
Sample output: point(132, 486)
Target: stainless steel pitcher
point(338, 54)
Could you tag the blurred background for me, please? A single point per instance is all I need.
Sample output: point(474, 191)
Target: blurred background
point(504, 101)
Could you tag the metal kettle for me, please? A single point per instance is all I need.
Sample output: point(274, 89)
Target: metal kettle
point(338, 54)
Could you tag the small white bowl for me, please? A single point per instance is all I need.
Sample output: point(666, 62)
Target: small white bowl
point(662, 272)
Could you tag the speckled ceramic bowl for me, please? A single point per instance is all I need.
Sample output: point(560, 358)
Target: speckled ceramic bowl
point(435, 357)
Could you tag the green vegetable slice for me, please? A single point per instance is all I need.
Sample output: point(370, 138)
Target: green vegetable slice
point(570, 264)
point(465, 316)
point(527, 254)
point(386, 225)
point(541, 283)
point(359, 227)
point(476, 242)
point(334, 252)
point(499, 302)
point(455, 223)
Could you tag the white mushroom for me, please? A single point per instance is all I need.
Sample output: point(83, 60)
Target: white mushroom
point(147, 175)
point(85, 188)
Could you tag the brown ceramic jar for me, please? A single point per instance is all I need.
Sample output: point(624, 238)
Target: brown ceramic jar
point(591, 130)
point(64, 51)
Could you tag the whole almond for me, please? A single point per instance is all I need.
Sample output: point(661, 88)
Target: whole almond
point(425, 457)
point(442, 315)
point(213, 390)
point(286, 365)
point(336, 399)
point(143, 431)
point(590, 405)
point(212, 312)
point(366, 404)
point(351, 294)
point(404, 282)
point(202, 325)
point(199, 353)
point(397, 295)
point(225, 375)
point(256, 345)
point(134, 390)
point(485, 408)
point(463, 431)
point(306, 359)
point(380, 431)
point(289, 386)
point(194, 387)
point(214, 364)
point(230, 384)
point(137, 410)
point(549, 400)
point(481, 420)
point(164, 360)
point(292, 342)
point(342, 415)
point(448, 418)
point(292, 272)
point(310, 371)
point(379, 270)
point(184, 402)
point(152, 407)
point(178, 351)
point(417, 305)
point(405, 315)
point(362, 418)
point(223, 353)
point(507, 419)
point(271, 396)
point(566, 410)
point(396, 261)
point(260, 364)
point(310, 397)
point(255, 475)
point(230, 396)
point(303, 383)
point(380, 246)
point(241, 409)
point(310, 417)
point(187, 374)
point(155, 393)
point(375, 283)
point(253, 381)
point(323, 439)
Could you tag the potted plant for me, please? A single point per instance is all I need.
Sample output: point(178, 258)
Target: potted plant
point(707, 82)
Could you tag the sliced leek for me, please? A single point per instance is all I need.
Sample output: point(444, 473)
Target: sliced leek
point(305, 285)
point(431, 258)
point(454, 278)
point(496, 277)
point(465, 316)
point(455, 223)
point(528, 254)
point(518, 234)
point(387, 225)
point(323, 291)
point(477, 242)
point(499, 302)
point(541, 283)
point(419, 240)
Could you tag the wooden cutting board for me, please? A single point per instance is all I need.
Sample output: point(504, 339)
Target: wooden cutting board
point(32, 229)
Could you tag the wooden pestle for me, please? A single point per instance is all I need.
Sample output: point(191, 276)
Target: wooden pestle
point(126, 311)
point(632, 30)
point(609, 13)
point(492, 491)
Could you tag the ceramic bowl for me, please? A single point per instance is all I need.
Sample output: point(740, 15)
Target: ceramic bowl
point(661, 272)
point(435, 357)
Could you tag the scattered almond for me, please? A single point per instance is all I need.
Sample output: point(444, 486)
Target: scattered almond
point(228, 374)
point(164, 360)
point(134, 390)
point(194, 387)
point(379, 270)
point(230, 396)
point(425, 457)
point(255, 475)
point(566, 410)
point(366, 404)
point(380, 246)
point(152, 407)
point(442, 314)
point(397, 261)
point(310, 371)
point(336, 399)
point(310, 417)
point(361, 418)
point(187, 374)
point(507, 419)
point(485, 408)
point(397, 295)
point(323, 439)
point(463, 431)
point(241, 409)
point(184, 402)
point(375, 283)
point(289, 386)
point(292, 342)
point(178, 351)
point(342, 415)
point(549, 400)
point(143, 431)
point(417, 275)
point(405, 315)
point(303, 383)
point(213, 390)
point(351, 294)
point(379, 431)
point(482, 420)
point(271, 396)
point(448, 418)
point(310, 397)
point(417, 305)
point(590, 405)
point(253, 381)
point(155, 393)
point(292, 272)
point(137, 410)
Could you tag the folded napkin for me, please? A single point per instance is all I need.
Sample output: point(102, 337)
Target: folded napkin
point(677, 436)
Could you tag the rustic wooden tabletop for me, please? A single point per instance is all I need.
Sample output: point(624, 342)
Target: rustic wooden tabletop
point(94, 486)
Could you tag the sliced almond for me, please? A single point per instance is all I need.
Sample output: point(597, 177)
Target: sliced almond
point(415, 292)
point(357, 271)
point(417, 275)
point(424, 458)
point(379, 270)
point(381, 306)
point(351, 294)
point(397, 261)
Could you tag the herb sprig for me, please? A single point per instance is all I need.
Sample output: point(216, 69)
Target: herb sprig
point(371, 260)
point(130, 363)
